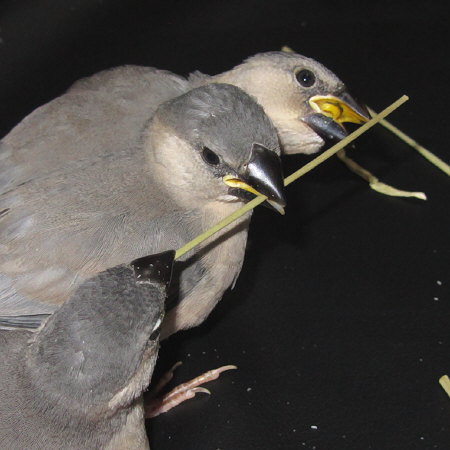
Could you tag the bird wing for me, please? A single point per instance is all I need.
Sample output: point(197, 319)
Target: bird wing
point(55, 232)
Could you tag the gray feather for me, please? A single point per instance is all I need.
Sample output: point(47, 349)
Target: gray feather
point(92, 185)
point(77, 382)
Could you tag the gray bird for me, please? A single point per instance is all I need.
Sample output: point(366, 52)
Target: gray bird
point(94, 123)
point(304, 99)
point(77, 382)
point(101, 176)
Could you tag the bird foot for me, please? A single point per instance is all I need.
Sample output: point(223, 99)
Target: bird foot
point(182, 392)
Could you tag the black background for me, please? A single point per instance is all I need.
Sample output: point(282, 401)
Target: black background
point(340, 318)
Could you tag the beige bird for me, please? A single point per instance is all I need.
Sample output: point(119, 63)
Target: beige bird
point(106, 173)
point(97, 122)
point(304, 99)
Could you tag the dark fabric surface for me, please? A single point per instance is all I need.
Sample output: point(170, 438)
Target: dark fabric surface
point(339, 322)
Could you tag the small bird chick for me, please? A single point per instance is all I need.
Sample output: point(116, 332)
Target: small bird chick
point(306, 101)
point(81, 139)
point(87, 187)
point(77, 382)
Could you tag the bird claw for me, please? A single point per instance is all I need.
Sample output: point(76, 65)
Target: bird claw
point(182, 392)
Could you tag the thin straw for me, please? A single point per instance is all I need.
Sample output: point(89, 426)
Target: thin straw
point(291, 178)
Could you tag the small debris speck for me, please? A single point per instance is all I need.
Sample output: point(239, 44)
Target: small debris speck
point(420, 359)
point(313, 427)
point(435, 299)
point(203, 353)
point(344, 436)
point(422, 438)
point(288, 403)
point(294, 430)
point(249, 389)
point(188, 355)
point(439, 282)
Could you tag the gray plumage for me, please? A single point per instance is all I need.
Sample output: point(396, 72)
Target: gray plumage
point(270, 78)
point(100, 176)
point(77, 382)
point(72, 183)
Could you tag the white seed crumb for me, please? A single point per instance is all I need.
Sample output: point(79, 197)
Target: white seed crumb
point(436, 299)
point(439, 282)
point(294, 430)
point(314, 427)
point(249, 389)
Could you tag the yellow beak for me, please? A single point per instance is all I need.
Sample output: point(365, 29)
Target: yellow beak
point(234, 182)
point(338, 109)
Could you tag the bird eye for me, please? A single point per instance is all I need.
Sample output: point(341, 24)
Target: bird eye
point(210, 157)
point(306, 78)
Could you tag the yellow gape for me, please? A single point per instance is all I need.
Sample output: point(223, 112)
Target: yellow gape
point(336, 108)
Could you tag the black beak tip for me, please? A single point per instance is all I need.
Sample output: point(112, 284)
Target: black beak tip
point(279, 198)
point(265, 174)
point(359, 107)
point(364, 111)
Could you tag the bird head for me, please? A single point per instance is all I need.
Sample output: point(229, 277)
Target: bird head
point(217, 141)
point(305, 100)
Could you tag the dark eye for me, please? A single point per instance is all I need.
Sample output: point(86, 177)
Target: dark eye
point(306, 78)
point(210, 157)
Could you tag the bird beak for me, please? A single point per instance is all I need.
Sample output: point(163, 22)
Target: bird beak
point(262, 175)
point(332, 111)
